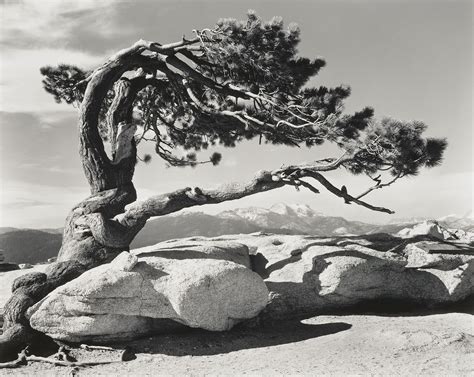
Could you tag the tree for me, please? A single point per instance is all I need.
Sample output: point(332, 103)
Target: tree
point(239, 80)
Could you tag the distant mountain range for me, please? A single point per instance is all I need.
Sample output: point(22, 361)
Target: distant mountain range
point(33, 246)
point(29, 245)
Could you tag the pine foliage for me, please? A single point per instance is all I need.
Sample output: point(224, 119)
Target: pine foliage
point(261, 59)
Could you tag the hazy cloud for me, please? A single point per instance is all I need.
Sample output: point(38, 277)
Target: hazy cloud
point(22, 89)
point(24, 203)
point(29, 204)
point(32, 24)
point(29, 151)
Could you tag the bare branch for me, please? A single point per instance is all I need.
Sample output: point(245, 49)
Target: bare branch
point(263, 181)
point(88, 347)
point(379, 185)
point(170, 47)
point(23, 359)
point(172, 202)
point(196, 101)
point(329, 164)
point(309, 186)
point(241, 115)
point(69, 363)
point(333, 189)
point(185, 68)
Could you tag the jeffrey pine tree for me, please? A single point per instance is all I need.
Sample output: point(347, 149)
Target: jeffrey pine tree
point(237, 81)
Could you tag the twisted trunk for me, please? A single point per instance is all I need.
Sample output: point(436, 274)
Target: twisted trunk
point(90, 237)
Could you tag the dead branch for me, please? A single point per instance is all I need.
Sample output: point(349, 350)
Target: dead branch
point(195, 75)
point(379, 185)
point(164, 204)
point(348, 198)
point(60, 358)
point(89, 348)
point(63, 363)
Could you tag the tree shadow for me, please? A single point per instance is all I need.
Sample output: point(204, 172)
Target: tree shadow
point(259, 262)
point(394, 290)
point(451, 248)
point(406, 308)
point(389, 242)
point(440, 246)
point(382, 242)
point(197, 342)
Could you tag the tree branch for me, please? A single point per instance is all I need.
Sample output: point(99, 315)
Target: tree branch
point(119, 114)
point(263, 181)
point(60, 359)
point(168, 48)
point(164, 204)
point(379, 185)
point(195, 75)
point(333, 189)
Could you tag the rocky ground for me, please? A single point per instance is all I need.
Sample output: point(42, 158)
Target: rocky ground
point(337, 345)
point(375, 305)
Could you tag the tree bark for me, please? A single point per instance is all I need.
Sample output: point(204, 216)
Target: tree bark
point(90, 236)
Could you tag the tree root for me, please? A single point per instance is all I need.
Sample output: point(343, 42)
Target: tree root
point(90, 348)
point(60, 358)
point(69, 363)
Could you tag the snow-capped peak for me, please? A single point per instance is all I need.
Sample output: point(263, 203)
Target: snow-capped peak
point(249, 213)
point(294, 209)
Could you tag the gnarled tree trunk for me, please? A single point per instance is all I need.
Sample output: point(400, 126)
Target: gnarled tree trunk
point(90, 237)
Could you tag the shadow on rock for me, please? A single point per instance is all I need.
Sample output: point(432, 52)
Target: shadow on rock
point(202, 343)
point(404, 308)
point(387, 242)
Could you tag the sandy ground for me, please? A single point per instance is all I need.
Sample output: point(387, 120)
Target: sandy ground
point(365, 345)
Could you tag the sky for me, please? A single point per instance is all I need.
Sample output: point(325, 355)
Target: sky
point(408, 59)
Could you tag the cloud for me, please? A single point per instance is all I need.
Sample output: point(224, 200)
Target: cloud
point(26, 204)
point(84, 33)
point(20, 86)
point(40, 172)
point(39, 33)
point(32, 24)
point(31, 152)
point(21, 203)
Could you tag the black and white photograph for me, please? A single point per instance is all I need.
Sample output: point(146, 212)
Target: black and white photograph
point(236, 188)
